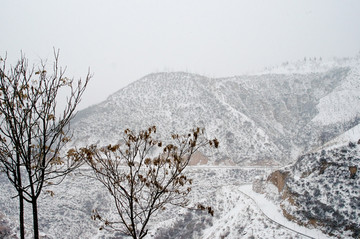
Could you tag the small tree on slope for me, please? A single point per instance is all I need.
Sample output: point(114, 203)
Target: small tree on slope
point(32, 134)
point(140, 184)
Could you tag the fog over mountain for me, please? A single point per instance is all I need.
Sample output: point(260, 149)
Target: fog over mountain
point(266, 118)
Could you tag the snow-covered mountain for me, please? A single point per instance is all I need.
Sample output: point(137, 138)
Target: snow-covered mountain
point(267, 118)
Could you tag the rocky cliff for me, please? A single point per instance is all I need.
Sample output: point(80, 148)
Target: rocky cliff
point(321, 189)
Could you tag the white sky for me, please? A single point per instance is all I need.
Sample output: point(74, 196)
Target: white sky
point(122, 41)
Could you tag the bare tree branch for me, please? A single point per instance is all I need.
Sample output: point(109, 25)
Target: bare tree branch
point(143, 175)
point(32, 132)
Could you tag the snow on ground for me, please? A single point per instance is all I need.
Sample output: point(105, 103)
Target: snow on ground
point(239, 217)
point(343, 103)
point(67, 214)
point(273, 212)
point(352, 135)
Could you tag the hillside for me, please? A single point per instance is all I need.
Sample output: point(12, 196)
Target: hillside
point(269, 118)
point(321, 189)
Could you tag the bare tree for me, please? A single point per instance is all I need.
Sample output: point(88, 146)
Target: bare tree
point(140, 183)
point(32, 131)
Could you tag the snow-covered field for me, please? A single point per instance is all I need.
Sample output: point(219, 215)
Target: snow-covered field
point(67, 214)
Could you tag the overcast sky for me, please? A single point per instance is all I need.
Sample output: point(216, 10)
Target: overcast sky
point(122, 41)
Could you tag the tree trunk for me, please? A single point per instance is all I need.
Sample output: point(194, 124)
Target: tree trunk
point(21, 199)
point(35, 218)
point(21, 208)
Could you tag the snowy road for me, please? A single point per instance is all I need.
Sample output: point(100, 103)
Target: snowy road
point(273, 212)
